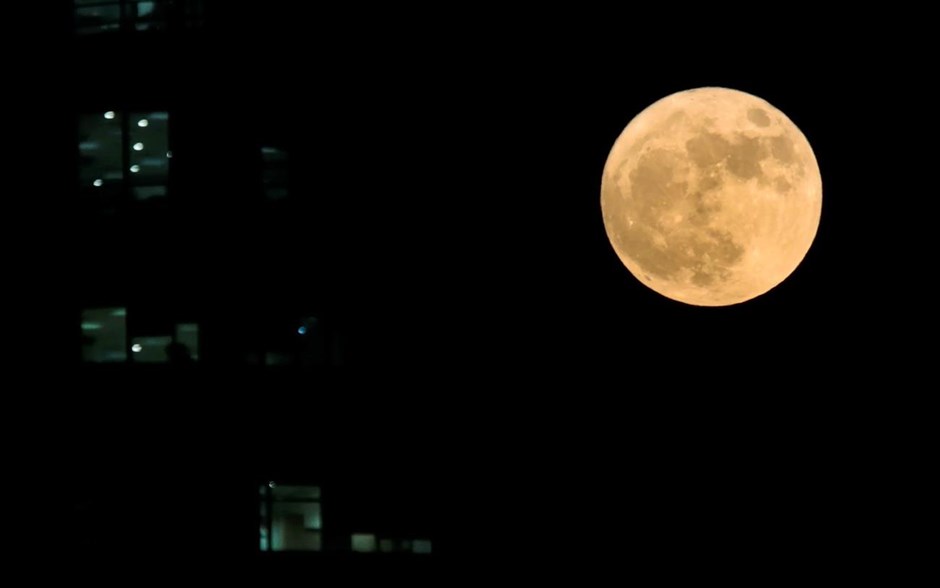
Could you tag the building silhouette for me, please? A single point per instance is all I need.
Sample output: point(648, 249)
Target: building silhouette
point(213, 331)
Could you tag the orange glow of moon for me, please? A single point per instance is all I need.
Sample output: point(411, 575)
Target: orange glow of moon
point(711, 196)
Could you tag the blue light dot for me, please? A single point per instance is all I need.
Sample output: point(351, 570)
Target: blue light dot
point(301, 330)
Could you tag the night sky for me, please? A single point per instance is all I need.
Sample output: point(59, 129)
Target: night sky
point(518, 389)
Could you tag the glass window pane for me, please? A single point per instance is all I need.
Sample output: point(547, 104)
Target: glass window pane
point(148, 138)
point(95, 16)
point(194, 11)
point(96, 19)
point(187, 334)
point(273, 155)
point(421, 546)
point(296, 492)
point(274, 174)
point(147, 14)
point(277, 358)
point(145, 8)
point(100, 152)
point(363, 542)
point(150, 349)
point(149, 192)
point(275, 193)
point(309, 513)
point(289, 534)
point(263, 543)
point(104, 335)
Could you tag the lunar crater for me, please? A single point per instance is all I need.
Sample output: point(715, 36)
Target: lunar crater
point(758, 117)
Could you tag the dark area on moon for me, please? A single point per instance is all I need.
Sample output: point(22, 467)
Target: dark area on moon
point(657, 187)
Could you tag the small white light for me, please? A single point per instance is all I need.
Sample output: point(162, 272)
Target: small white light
point(138, 146)
point(136, 347)
point(271, 484)
point(109, 115)
point(143, 123)
point(135, 168)
point(98, 183)
point(169, 155)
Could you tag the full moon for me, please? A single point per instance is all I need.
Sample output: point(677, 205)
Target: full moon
point(711, 196)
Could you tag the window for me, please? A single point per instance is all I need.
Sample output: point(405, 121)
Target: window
point(274, 174)
point(291, 519)
point(99, 16)
point(150, 349)
point(363, 542)
point(104, 335)
point(93, 16)
point(123, 155)
point(187, 334)
point(419, 546)
point(149, 152)
point(295, 342)
point(105, 340)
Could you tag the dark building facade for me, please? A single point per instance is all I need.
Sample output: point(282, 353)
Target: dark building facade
point(214, 321)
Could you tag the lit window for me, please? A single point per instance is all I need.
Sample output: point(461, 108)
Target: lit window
point(422, 546)
point(105, 339)
point(150, 143)
point(187, 335)
point(278, 358)
point(101, 158)
point(98, 16)
point(363, 542)
point(93, 16)
point(291, 519)
point(274, 173)
point(118, 161)
point(104, 335)
point(151, 349)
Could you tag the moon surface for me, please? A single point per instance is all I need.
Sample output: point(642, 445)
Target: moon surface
point(711, 196)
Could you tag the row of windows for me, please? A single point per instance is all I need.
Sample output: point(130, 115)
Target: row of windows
point(292, 520)
point(129, 154)
point(105, 340)
point(102, 16)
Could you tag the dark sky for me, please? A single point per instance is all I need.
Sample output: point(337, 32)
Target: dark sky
point(449, 173)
